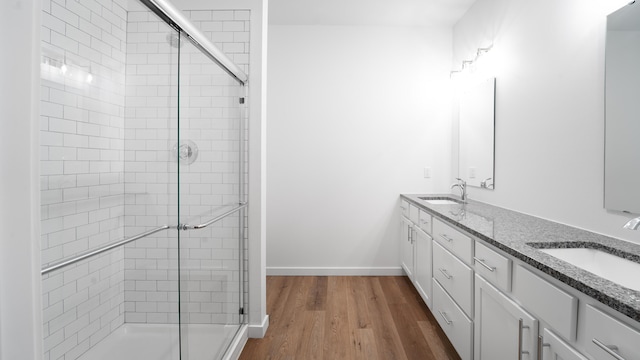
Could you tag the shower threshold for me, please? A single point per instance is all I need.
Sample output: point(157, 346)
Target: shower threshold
point(161, 342)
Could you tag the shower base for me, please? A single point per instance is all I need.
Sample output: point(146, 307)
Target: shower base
point(160, 342)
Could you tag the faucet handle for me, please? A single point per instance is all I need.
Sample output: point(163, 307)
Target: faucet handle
point(461, 181)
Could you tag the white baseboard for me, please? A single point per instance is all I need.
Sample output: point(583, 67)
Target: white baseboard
point(235, 349)
point(335, 271)
point(258, 331)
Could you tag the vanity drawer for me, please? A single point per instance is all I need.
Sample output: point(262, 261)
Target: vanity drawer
point(603, 331)
point(453, 240)
point(556, 348)
point(425, 222)
point(453, 321)
point(556, 307)
point(404, 208)
point(454, 276)
point(492, 266)
point(414, 214)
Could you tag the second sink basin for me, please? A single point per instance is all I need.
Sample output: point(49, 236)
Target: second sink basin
point(440, 200)
point(619, 270)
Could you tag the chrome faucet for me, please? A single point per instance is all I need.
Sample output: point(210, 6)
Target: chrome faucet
point(485, 184)
point(632, 224)
point(462, 185)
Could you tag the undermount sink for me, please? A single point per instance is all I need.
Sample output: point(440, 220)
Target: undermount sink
point(440, 200)
point(614, 268)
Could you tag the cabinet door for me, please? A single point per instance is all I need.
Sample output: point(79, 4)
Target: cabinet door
point(423, 268)
point(406, 247)
point(503, 329)
point(554, 348)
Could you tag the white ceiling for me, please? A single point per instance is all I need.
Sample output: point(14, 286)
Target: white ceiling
point(367, 12)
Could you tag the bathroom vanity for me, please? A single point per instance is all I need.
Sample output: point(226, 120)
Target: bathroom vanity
point(495, 281)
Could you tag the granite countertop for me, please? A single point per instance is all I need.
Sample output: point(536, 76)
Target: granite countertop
point(513, 233)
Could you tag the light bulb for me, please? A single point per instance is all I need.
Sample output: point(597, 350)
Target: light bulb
point(63, 69)
point(89, 78)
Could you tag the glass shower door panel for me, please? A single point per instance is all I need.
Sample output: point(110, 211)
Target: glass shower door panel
point(151, 176)
point(210, 157)
point(109, 81)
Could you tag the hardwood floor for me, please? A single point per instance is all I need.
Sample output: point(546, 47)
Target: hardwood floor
point(336, 317)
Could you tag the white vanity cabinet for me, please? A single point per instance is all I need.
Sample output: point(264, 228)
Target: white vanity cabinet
point(454, 276)
point(404, 208)
point(453, 321)
point(425, 221)
point(608, 338)
point(503, 329)
point(423, 270)
point(554, 348)
point(414, 214)
point(553, 305)
point(493, 266)
point(416, 248)
point(406, 247)
point(495, 306)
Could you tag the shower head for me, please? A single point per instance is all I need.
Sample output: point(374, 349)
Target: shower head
point(174, 40)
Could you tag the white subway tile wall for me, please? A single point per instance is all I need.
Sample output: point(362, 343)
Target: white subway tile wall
point(108, 126)
point(82, 178)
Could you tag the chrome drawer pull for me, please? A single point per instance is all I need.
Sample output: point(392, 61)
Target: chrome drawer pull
point(444, 236)
point(481, 262)
point(521, 327)
point(449, 322)
point(609, 349)
point(445, 273)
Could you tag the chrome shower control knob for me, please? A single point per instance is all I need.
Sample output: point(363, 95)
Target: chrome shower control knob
point(185, 152)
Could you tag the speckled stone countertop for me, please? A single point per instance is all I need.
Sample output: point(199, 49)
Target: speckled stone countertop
point(514, 233)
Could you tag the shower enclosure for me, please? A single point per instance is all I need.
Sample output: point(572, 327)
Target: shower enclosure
point(143, 168)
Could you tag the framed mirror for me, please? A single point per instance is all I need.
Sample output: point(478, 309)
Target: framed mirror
point(622, 110)
point(477, 134)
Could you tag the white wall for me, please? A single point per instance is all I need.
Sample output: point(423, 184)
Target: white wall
point(549, 63)
point(355, 114)
point(20, 301)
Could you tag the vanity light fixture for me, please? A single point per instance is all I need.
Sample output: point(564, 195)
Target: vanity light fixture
point(89, 77)
point(466, 64)
point(60, 69)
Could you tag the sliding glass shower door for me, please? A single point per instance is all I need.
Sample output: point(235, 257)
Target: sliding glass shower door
point(211, 199)
point(142, 183)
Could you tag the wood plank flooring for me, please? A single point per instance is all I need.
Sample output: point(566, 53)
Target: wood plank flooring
point(339, 317)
